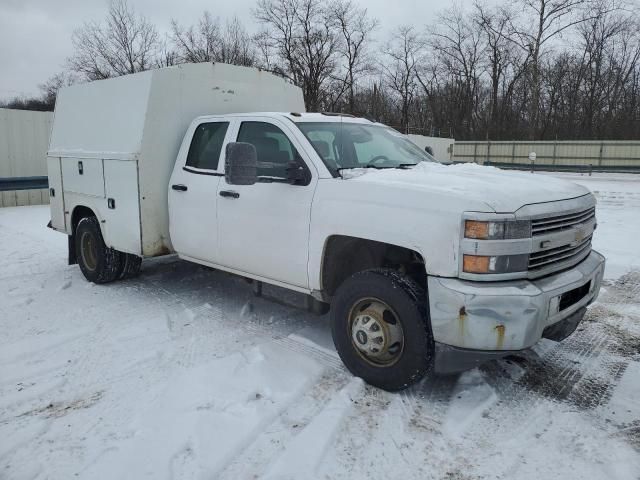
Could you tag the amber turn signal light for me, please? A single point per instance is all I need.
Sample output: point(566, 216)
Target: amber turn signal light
point(475, 264)
point(475, 229)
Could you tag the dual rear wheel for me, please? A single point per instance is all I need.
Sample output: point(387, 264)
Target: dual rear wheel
point(99, 263)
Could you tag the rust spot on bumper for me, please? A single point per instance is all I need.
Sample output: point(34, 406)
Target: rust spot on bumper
point(500, 329)
point(462, 317)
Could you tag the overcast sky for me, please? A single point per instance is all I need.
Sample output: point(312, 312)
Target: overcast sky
point(35, 35)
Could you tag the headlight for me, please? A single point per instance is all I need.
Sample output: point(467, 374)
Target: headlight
point(496, 264)
point(503, 230)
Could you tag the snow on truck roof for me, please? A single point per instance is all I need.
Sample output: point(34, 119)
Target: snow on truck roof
point(300, 117)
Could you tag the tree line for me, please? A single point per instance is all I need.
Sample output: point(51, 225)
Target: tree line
point(519, 69)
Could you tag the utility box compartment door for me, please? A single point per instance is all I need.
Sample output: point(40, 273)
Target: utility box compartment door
point(56, 194)
point(122, 208)
point(83, 175)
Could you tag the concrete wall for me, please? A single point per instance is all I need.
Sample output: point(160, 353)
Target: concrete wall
point(442, 147)
point(24, 140)
point(601, 155)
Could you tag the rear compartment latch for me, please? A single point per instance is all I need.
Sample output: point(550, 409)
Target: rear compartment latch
point(111, 203)
point(80, 168)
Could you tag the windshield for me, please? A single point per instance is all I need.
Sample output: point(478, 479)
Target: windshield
point(353, 145)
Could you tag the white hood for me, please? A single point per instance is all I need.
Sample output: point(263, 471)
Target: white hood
point(502, 190)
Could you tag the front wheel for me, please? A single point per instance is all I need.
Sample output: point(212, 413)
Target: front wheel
point(380, 327)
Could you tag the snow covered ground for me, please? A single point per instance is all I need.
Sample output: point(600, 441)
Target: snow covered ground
point(183, 373)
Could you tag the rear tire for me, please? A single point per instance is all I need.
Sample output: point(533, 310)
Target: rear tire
point(130, 266)
point(98, 263)
point(381, 329)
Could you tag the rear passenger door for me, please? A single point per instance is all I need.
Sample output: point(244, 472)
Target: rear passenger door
point(193, 192)
point(264, 228)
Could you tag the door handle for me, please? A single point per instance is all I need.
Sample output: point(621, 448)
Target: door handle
point(179, 187)
point(229, 194)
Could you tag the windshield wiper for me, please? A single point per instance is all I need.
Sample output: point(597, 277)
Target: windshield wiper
point(403, 166)
point(359, 166)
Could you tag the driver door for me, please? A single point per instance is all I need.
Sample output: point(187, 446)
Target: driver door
point(264, 228)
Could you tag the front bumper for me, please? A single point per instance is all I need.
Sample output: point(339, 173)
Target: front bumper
point(502, 317)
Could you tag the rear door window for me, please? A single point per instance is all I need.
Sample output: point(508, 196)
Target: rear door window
point(206, 145)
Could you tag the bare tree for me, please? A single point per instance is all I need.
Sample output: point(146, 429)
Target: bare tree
point(209, 41)
point(550, 19)
point(355, 28)
point(400, 72)
point(237, 45)
point(51, 87)
point(167, 55)
point(456, 45)
point(125, 43)
point(198, 43)
point(508, 70)
point(300, 34)
point(505, 66)
point(605, 59)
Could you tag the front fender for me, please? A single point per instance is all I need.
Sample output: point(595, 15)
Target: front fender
point(406, 217)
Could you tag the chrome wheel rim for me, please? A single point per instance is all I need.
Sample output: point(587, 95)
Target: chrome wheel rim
point(376, 332)
point(89, 251)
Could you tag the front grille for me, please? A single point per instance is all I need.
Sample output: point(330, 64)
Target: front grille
point(564, 254)
point(542, 226)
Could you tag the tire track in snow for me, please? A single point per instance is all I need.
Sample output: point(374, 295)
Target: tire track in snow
point(304, 454)
point(210, 320)
point(249, 322)
point(283, 433)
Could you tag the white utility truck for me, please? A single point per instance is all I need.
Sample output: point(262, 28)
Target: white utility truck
point(425, 266)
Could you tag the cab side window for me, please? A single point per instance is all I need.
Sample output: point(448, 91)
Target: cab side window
point(206, 145)
point(274, 149)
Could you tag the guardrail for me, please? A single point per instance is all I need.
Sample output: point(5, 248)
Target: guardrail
point(547, 167)
point(23, 183)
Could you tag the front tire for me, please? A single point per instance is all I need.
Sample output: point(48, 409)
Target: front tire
point(381, 330)
point(98, 263)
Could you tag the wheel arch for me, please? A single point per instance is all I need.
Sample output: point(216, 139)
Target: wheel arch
point(79, 212)
point(344, 255)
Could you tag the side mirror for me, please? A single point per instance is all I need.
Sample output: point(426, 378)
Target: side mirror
point(241, 164)
point(297, 174)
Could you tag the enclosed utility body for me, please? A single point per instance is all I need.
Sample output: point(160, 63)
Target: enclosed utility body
point(114, 143)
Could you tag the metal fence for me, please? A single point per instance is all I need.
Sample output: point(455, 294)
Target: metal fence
point(442, 147)
point(24, 139)
point(605, 156)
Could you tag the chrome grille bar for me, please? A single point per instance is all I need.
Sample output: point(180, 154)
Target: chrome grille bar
point(561, 256)
point(558, 250)
point(561, 222)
